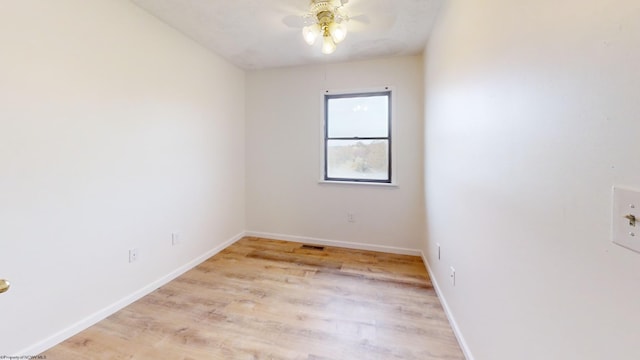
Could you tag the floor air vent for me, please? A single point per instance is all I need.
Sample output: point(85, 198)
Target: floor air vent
point(311, 247)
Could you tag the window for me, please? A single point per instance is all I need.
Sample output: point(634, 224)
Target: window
point(357, 137)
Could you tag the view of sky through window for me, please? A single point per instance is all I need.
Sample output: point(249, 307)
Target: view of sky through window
point(359, 117)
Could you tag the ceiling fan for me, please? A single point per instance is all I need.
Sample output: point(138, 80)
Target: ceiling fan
point(325, 19)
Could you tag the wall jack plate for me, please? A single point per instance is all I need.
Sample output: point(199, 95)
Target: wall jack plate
point(626, 218)
point(133, 255)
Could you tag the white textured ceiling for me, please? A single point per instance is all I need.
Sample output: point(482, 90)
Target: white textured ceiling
point(257, 34)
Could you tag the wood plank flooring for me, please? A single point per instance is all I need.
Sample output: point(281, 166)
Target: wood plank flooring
point(266, 299)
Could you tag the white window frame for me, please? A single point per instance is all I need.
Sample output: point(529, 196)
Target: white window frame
point(393, 136)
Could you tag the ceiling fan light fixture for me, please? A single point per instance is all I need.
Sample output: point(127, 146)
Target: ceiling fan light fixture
point(328, 21)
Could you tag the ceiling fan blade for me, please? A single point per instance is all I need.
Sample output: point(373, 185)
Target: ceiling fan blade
point(294, 21)
point(361, 18)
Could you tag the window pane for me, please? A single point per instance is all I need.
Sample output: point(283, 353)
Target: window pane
point(358, 116)
point(358, 159)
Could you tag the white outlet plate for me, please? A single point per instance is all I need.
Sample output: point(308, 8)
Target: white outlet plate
point(351, 217)
point(626, 232)
point(133, 255)
point(175, 239)
point(453, 276)
point(438, 251)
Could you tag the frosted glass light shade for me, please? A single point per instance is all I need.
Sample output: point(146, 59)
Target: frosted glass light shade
point(310, 33)
point(338, 32)
point(328, 45)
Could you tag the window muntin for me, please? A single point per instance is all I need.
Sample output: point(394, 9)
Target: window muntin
point(357, 141)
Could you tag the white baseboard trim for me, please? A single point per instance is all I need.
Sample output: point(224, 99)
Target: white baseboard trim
point(336, 243)
point(122, 303)
point(454, 325)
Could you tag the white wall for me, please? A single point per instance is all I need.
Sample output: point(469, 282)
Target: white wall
point(532, 117)
point(284, 144)
point(114, 132)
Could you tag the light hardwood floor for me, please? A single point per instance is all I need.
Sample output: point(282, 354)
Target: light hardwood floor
point(266, 299)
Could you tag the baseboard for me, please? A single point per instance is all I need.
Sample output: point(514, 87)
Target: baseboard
point(336, 243)
point(454, 325)
point(122, 303)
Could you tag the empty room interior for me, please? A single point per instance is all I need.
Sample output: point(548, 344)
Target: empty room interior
point(326, 179)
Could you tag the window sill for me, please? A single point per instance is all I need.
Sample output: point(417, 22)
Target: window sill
point(392, 185)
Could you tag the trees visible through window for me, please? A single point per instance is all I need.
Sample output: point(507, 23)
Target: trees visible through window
point(357, 139)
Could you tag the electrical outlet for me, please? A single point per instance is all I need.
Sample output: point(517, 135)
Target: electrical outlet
point(175, 239)
point(133, 255)
point(351, 217)
point(438, 251)
point(453, 276)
